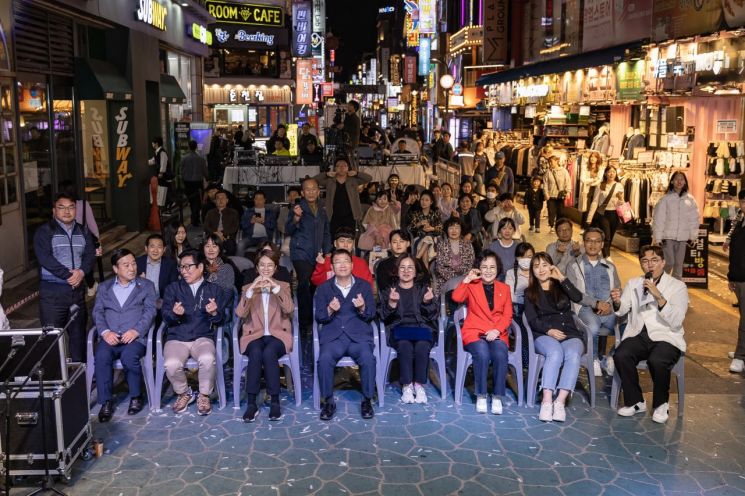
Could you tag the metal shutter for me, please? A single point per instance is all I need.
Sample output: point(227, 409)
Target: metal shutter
point(44, 42)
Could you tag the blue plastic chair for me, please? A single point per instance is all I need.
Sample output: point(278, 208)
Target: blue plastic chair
point(465, 360)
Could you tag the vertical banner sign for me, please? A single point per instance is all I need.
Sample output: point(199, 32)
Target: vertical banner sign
point(385, 56)
point(425, 45)
point(123, 149)
point(496, 14)
point(319, 27)
point(304, 82)
point(696, 261)
point(410, 69)
point(95, 160)
point(427, 16)
point(301, 29)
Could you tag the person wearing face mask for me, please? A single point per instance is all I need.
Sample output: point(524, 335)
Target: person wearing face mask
point(549, 314)
point(487, 204)
point(266, 308)
point(505, 209)
point(486, 327)
point(517, 279)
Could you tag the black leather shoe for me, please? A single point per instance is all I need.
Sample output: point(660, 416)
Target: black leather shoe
point(275, 412)
point(135, 405)
point(106, 411)
point(328, 410)
point(251, 413)
point(367, 409)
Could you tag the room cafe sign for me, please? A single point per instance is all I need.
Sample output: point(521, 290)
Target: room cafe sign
point(246, 13)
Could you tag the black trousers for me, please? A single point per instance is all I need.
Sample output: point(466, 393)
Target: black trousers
point(555, 210)
point(661, 357)
point(193, 190)
point(54, 310)
point(413, 360)
point(331, 352)
point(130, 355)
point(264, 353)
point(535, 217)
point(608, 222)
point(305, 290)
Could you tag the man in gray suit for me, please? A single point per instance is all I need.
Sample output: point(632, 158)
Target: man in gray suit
point(123, 314)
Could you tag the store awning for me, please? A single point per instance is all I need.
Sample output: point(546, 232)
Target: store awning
point(170, 90)
point(99, 80)
point(560, 65)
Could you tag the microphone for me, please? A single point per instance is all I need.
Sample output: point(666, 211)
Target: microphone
point(74, 309)
point(648, 275)
point(18, 342)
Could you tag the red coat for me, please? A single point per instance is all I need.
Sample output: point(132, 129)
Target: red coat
point(479, 319)
point(360, 270)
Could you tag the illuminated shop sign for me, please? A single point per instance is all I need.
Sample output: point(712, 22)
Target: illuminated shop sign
point(231, 36)
point(152, 13)
point(201, 34)
point(301, 29)
point(246, 13)
point(386, 10)
point(532, 90)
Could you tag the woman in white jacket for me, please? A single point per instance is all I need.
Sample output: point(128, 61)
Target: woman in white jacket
point(675, 223)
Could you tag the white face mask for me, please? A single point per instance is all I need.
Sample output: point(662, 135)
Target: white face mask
point(491, 195)
point(523, 263)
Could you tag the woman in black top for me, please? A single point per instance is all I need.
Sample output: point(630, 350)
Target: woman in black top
point(548, 310)
point(409, 310)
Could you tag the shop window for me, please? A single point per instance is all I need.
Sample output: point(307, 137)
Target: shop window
point(248, 63)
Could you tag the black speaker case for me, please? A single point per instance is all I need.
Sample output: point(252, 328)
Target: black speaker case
point(68, 427)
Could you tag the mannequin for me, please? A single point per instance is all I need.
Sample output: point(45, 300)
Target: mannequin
point(625, 142)
point(601, 142)
point(637, 140)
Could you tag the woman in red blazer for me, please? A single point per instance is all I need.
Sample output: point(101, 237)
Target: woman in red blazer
point(488, 318)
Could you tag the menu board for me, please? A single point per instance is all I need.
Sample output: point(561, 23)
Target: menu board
point(696, 262)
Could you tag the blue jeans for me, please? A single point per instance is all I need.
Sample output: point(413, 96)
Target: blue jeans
point(560, 355)
point(594, 322)
point(484, 352)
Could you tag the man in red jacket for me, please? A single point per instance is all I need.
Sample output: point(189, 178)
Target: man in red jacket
point(343, 240)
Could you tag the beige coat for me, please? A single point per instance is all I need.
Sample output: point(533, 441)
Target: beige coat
point(280, 311)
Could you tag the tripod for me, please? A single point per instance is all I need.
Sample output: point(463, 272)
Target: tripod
point(46, 484)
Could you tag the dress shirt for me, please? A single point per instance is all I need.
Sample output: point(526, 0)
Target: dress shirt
point(122, 292)
point(344, 289)
point(265, 304)
point(152, 273)
point(195, 286)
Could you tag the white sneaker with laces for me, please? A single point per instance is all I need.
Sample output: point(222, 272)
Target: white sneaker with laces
point(546, 413)
point(737, 366)
point(481, 404)
point(421, 394)
point(408, 394)
point(496, 405)
point(610, 366)
point(630, 411)
point(661, 413)
point(596, 368)
point(560, 414)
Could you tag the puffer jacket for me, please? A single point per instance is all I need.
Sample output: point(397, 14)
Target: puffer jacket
point(675, 217)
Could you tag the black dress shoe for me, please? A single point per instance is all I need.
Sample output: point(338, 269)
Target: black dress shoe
point(328, 410)
point(135, 405)
point(367, 409)
point(251, 413)
point(106, 411)
point(275, 412)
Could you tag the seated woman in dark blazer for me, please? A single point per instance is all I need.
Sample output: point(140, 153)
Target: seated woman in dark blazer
point(549, 313)
point(266, 308)
point(409, 310)
point(485, 331)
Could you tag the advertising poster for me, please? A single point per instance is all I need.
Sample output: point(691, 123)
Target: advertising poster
point(304, 82)
point(496, 21)
point(675, 19)
point(630, 80)
point(696, 261)
point(427, 16)
point(615, 22)
point(410, 69)
point(425, 44)
point(95, 139)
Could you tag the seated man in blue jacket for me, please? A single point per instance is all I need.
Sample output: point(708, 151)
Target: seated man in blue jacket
point(156, 268)
point(192, 307)
point(344, 308)
point(123, 314)
point(258, 223)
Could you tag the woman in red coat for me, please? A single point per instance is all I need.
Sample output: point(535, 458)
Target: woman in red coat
point(485, 331)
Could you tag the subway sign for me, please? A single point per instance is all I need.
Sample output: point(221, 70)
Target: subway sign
point(152, 13)
point(246, 13)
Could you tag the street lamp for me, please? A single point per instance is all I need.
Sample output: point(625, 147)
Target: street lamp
point(446, 82)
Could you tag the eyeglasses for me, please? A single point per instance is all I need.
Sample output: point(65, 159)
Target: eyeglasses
point(186, 267)
point(65, 208)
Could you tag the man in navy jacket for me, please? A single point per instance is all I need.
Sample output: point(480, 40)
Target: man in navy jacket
point(344, 308)
point(309, 227)
point(191, 308)
point(159, 270)
point(66, 254)
point(123, 314)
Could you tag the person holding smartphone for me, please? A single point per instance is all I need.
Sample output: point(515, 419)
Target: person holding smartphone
point(258, 223)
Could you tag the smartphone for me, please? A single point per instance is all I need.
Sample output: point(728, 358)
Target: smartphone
point(257, 215)
point(297, 201)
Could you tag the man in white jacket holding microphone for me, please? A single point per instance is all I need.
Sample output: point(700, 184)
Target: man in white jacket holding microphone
point(656, 305)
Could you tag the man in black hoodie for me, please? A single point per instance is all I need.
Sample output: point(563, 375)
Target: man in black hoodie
point(736, 277)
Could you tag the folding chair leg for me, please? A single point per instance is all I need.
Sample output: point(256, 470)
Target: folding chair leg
point(222, 400)
point(441, 366)
point(237, 372)
point(297, 388)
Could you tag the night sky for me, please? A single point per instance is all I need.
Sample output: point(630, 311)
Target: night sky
point(353, 22)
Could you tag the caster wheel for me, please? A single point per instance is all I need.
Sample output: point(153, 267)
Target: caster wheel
point(86, 454)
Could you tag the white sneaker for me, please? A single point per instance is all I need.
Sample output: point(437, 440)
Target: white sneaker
point(660, 414)
point(610, 366)
point(496, 405)
point(408, 394)
point(421, 394)
point(481, 404)
point(596, 367)
point(737, 366)
point(560, 414)
point(92, 290)
point(546, 413)
point(630, 411)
